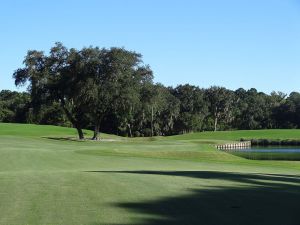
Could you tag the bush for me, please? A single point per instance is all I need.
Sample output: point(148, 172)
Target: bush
point(147, 132)
point(137, 134)
point(254, 142)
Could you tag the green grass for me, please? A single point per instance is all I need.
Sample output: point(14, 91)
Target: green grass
point(47, 177)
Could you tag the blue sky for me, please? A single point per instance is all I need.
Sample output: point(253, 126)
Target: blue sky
point(233, 43)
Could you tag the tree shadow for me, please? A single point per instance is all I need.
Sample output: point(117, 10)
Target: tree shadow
point(63, 139)
point(249, 178)
point(75, 139)
point(270, 199)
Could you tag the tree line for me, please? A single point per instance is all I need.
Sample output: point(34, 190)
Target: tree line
point(112, 90)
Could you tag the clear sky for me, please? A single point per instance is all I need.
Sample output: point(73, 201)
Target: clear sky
point(232, 43)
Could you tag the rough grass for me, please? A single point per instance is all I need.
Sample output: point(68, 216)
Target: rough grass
point(47, 177)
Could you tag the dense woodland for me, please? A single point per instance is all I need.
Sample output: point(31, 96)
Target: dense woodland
point(112, 90)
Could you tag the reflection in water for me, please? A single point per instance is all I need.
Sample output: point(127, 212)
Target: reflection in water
point(269, 153)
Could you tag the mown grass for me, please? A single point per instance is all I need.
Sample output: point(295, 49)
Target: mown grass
point(47, 177)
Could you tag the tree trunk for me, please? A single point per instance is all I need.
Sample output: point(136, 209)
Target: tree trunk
point(80, 133)
point(73, 120)
point(152, 121)
point(129, 128)
point(96, 132)
point(216, 123)
point(74, 123)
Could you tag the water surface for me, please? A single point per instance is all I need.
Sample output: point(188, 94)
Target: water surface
point(269, 153)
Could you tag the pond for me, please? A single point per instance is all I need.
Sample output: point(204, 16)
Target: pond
point(269, 153)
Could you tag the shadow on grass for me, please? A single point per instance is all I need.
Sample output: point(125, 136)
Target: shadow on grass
point(64, 139)
point(267, 199)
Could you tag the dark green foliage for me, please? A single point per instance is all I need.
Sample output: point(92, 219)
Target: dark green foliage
point(221, 103)
point(193, 108)
point(14, 106)
point(287, 114)
point(252, 109)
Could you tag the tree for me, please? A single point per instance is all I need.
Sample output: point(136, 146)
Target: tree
point(156, 104)
point(221, 102)
point(287, 113)
point(193, 108)
point(169, 111)
point(253, 109)
point(56, 77)
point(117, 76)
point(89, 84)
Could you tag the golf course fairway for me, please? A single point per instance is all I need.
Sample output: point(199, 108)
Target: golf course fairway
point(48, 177)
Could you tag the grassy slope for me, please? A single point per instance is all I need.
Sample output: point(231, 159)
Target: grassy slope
point(45, 179)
